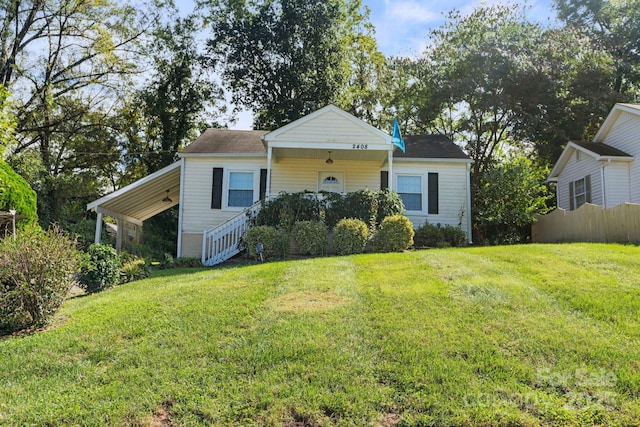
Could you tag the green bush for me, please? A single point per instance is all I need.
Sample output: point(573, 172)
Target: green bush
point(350, 236)
point(432, 236)
point(15, 193)
point(274, 241)
point(311, 237)
point(36, 274)
point(102, 270)
point(134, 269)
point(395, 234)
point(289, 208)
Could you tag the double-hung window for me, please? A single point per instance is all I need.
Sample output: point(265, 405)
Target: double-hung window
point(579, 192)
point(240, 189)
point(409, 188)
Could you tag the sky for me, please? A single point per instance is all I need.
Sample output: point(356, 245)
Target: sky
point(402, 27)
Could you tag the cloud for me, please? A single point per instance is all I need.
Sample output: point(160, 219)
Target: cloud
point(410, 12)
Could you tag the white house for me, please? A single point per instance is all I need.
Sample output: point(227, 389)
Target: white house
point(225, 172)
point(603, 172)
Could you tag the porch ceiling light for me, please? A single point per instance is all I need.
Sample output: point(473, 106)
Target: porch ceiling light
point(167, 199)
point(329, 161)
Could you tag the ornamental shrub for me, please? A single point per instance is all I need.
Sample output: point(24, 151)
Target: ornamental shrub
point(289, 208)
point(274, 241)
point(36, 273)
point(350, 236)
point(395, 234)
point(134, 269)
point(311, 237)
point(15, 193)
point(433, 236)
point(102, 270)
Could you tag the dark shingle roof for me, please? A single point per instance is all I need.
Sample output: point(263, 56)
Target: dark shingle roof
point(430, 147)
point(602, 149)
point(228, 141)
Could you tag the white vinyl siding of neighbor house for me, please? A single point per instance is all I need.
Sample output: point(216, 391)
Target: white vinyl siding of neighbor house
point(452, 192)
point(576, 170)
point(295, 175)
point(625, 136)
point(616, 178)
point(330, 126)
point(196, 211)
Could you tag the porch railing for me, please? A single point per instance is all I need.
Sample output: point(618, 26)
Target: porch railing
point(221, 242)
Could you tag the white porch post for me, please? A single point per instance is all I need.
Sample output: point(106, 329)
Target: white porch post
point(98, 236)
point(119, 234)
point(390, 162)
point(267, 195)
point(181, 209)
point(469, 225)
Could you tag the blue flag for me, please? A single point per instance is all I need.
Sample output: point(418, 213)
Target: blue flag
point(397, 138)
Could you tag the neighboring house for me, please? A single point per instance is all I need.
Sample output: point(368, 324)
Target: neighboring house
point(606, 171)
point(225, 172)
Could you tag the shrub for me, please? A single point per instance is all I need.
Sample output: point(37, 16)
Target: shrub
point(36, 274)
point(389, 203)
point(15, 193)
point(274, 241)
point(311, 237)
point(102, 270)
point(395, 234)
point(433, 236)
point(289, 208)
point(134, 269)
point(350, 236)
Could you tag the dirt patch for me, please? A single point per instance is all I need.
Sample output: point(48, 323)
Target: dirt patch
point(307, 301)
point(160, 418)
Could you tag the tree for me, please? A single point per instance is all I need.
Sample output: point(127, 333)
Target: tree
point(282, 59)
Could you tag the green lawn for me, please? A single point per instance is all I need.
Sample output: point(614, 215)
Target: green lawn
point(525, 335)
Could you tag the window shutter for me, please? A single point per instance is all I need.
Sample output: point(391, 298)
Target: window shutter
point(572, 202)
point(216, 191)
point(587, 188)
point(433, 193)
point(384, 180)
point(263, 183)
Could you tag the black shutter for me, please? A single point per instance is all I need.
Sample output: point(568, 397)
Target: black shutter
point(216, 191)
point(263, 183)
point(587, 188)
point(433, 193)
point(572, 202)
point(384, 180)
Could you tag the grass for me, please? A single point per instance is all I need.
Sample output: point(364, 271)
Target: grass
point(504, 336)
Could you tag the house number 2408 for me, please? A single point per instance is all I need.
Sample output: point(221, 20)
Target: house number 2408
point(360, 146)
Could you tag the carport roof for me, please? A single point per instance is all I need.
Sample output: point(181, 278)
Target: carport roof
point(144, 198)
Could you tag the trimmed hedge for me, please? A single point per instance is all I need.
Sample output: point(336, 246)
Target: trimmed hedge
point(350, 236)
point(311, 237)
point(395, 234)
point(432, 236)
point(275, 242)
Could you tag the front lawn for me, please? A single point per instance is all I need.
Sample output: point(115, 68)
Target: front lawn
point(519, 335)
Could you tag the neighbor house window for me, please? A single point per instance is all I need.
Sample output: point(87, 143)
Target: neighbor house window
point(240, 189)
point(579, 192)
point(409, 188)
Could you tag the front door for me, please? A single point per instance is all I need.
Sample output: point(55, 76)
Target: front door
point(331, 181)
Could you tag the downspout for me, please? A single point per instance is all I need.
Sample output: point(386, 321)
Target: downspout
point(604, 193)
point(390, 173)
point(469, 225)
point(181, 210)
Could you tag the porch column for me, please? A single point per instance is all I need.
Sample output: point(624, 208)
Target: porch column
point(390, 163)
point(119, 234)
point(267, 195)
point(98, 236)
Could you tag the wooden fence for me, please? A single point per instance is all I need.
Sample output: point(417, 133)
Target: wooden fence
point(589, 223)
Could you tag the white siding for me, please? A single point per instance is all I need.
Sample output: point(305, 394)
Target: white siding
point(327, 128)
point(198, 180)
point(578, 169)
point(452, 193)
point(294, 175)
point(616, 183)
point(625, 135)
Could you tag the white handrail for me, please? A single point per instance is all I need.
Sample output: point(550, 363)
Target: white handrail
point(221, 243)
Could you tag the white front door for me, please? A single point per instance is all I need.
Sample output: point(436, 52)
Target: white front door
point(331, 181)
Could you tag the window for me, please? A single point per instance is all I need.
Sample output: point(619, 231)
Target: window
point(579, 192)
point(409, 188)
point(240, 189)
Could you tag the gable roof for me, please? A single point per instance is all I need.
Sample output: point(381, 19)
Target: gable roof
point(328, 110)
point(613, 116)
point(225, 141)
point(430, 147)
point(597, 150)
